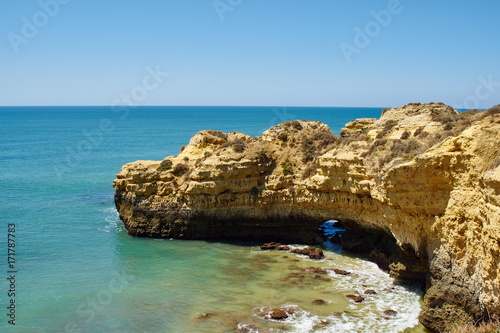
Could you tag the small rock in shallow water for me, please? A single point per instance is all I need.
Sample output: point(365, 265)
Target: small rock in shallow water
point(275, 246)
point(276, 314)
point(322, 324)
point(370, 292)
point(387, 314)
point(356, 298)
point(311, 252)
point(319, 302)
point(270, 246)
point(341, 272)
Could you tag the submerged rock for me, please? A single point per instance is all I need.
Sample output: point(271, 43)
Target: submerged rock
point(294, 268)
point(317, 270)
point(259, 267)
point(246, 328)
point(205, 316)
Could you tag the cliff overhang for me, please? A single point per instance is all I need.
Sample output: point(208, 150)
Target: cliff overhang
point(418, 187)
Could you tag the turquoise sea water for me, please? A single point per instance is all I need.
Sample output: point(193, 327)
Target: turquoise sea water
point(77, 270)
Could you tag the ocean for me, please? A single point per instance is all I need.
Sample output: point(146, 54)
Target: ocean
point(68, 265)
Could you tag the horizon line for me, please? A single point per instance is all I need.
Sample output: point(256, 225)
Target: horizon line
point(186, 105)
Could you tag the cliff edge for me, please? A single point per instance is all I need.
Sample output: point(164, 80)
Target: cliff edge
point(417, 188)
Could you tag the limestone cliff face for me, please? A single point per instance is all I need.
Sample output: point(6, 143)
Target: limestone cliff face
point(426, 176)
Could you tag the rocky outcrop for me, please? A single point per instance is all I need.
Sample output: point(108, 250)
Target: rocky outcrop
point(419, 188)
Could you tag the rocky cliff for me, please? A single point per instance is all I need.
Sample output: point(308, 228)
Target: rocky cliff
point(419, 188)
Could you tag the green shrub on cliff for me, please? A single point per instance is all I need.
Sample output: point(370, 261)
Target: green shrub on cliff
point(165, 165)
point(287, 168)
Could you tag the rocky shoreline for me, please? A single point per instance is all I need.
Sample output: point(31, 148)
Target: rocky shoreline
point(315, 290)
point(418, 189)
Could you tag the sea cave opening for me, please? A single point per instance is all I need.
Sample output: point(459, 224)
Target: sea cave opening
point(332, 231)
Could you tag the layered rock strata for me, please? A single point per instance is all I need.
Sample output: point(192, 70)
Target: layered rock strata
point(419, 187)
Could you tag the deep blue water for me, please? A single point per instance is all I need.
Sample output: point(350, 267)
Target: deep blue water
point(77, 269)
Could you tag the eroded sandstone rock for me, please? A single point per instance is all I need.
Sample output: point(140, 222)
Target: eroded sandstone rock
point(420, 185)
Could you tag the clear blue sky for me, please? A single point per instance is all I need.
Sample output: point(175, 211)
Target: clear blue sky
point(263, 52)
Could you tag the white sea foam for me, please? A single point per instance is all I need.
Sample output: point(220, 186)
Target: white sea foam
point(247, 328)
point(112, 221)
point(366, 316)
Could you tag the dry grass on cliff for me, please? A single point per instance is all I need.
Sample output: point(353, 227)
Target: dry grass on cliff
point(318, 144)
point(494, 110)
point(382, 151)
point(495, 164)
point(490, 327)
point(238, 145)
point(180, 169)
